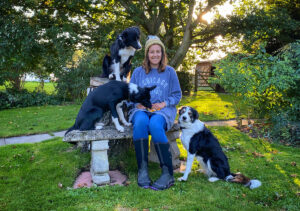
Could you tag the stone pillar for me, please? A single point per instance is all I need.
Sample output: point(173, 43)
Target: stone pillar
point(99, 162)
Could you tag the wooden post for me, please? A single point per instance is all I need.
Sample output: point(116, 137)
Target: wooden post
point(196, 80)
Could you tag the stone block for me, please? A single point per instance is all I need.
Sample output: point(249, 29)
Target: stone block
point(99, 162)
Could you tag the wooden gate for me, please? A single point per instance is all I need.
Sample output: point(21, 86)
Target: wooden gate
point(202, 73)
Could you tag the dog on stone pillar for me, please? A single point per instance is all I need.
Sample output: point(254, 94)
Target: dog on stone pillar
point(117, 65)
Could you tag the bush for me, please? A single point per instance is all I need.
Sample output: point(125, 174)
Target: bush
point(73, 82)
point(269, 85)
point(24, 98)
point(186, 81)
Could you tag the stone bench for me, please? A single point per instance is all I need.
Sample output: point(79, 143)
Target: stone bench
point(99, 140)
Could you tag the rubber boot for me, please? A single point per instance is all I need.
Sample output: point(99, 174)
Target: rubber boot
point(166, 179)
point(141, 152)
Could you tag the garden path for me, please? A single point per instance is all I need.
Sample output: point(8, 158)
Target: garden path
point(43, 137)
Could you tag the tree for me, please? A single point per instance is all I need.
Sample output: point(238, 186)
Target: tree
point(181, 24)
point(276, 22)
point(41, 36)
point(291, 32)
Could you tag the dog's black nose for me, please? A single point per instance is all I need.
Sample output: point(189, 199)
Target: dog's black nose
point(184, 118)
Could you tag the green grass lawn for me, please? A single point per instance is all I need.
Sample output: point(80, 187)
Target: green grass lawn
point(213, 106)
point(30, 174)
point(31, 86)
point(49, 87)
point(33, 120)
point(43, 119)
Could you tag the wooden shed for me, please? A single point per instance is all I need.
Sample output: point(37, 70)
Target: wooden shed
point(203, 71)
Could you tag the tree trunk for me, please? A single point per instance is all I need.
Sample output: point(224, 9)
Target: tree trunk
point(182, 50)
point(187, 39)
point(16, 83)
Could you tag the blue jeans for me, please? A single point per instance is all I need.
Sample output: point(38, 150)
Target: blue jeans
point(145, 123)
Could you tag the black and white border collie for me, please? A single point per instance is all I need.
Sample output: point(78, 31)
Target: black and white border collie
point(118, 64)
point(110, 96)
point(200, 142)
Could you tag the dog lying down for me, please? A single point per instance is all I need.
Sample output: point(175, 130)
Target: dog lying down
point(200, 142)
point(110, 96)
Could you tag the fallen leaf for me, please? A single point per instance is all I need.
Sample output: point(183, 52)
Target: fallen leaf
point(293, 175)
point(257, 154)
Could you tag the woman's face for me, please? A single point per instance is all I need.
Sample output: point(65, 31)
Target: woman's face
point(154, 55)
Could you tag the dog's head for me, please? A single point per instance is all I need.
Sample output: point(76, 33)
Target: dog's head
point(187, 116)
point(140, 95)
point(131, 37)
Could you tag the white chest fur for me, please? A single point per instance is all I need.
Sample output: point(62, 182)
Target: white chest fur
point(185, 139)
point(126, 53)
point(189, 131)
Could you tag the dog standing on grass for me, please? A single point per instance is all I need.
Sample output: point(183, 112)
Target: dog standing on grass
point(118, 64)
point(110, 96)
point(202, 144)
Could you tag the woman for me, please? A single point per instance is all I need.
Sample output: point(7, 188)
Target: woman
point(160, 118)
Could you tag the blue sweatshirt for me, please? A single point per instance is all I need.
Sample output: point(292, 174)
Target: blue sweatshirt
point(167, 90)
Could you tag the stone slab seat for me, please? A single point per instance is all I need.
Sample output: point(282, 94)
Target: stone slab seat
point(99, 145)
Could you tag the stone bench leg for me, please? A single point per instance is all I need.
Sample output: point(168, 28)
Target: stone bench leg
point(172, 136)
point(99, 162)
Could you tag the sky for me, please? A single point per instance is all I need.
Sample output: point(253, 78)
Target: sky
point(224, 10)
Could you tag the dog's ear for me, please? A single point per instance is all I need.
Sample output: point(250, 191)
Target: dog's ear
point(124, 35)
point(137, 29)
point(181, 110)
point(195, 114)
point(151, 88)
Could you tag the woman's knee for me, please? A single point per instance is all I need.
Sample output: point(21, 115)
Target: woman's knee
point(157, 128)
point(157, 122)
point(140, 119)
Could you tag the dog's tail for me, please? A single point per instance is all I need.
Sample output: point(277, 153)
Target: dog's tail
point(70, 129)
point(105, 66)
point(242, 179)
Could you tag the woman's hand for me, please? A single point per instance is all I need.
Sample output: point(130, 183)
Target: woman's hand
point(158, 106)
point(140, 106)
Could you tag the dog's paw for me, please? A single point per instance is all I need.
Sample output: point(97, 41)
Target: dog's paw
point(99, 127)
point(120, 129)
point(111, 76)
point(124, 79)
point(181, 179)
point(202, 171)
point(213, 179)
point(127, 124)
